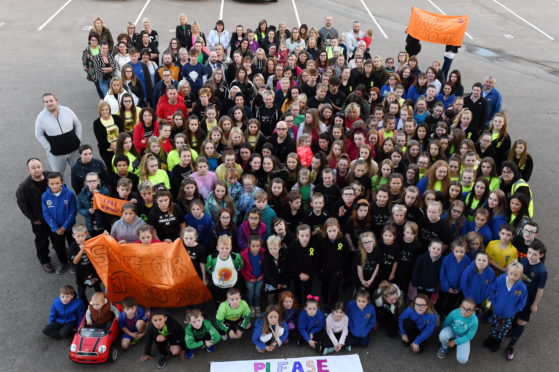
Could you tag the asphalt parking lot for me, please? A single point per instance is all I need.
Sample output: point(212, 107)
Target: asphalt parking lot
point(513, 40)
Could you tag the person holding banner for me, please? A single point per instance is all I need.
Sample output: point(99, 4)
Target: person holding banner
point(125, 229)
point(95, 220)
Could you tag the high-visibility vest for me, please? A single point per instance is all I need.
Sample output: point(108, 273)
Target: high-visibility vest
point(516, 186)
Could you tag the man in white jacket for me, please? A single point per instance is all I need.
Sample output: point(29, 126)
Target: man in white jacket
point(59, 131)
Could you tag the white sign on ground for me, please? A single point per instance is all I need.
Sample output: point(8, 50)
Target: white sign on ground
point(343, 363)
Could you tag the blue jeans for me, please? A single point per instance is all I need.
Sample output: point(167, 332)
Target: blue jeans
point(98, 89)
point(254, 289)
point(104, 86)
point(462, 350)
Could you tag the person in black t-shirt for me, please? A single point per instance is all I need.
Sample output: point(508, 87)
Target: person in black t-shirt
point(334, 95)
point(390, 253)
point(360, 175)
point(342, 207)
point(295, 214)
point(432, 226)
point(367, 262)
point(528, 237)
point(380, 209)
point(122, 163)
point(197, 252)
point(166, 217)
point(86, 276)
point(358, 223)
point(319, 98)
point(328, 189)
point(303, 258)
point(410, 249)
point(268, 114)
point(317, 216)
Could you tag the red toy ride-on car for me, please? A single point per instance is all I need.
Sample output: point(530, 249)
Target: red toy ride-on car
point(95, 345)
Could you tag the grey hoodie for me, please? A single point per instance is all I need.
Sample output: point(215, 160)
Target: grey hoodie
point(123, 231)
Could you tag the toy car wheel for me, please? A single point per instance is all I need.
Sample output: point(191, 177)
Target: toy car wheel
point(113, 354)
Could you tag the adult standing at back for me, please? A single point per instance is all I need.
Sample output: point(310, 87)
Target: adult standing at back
point(478, 106)
point(59, 131)
point(28, 197)
point(353, 37)
point(183, 31)
point(492, 96)
point(328, 32)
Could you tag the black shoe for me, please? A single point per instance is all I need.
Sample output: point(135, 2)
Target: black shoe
point(62, 268)
point(162, 362)
point(495, 346)
point(48, 268)
point(72, 269)
point(487, 342)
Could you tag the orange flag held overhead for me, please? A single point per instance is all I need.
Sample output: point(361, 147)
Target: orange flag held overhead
point(437, 28)
point(159, 275)
point(107, 204)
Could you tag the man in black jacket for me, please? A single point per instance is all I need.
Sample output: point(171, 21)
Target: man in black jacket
point(478, 106)
point(28, 197)
point(283, 144)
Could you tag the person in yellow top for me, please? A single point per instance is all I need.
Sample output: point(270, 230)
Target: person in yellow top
point(502, 252)
point(149, 170)
point(228, 162)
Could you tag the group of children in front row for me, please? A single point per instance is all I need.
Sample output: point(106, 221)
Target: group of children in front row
point(460, 290)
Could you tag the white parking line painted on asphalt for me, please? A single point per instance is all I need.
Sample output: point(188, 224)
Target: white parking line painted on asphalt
point(54, 15)
point(442, 12)
point(524, 20)
point(374, 19)
point(142, 12)
point(221, 9)
point(296, 12)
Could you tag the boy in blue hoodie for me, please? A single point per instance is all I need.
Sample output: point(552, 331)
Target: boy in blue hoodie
point(59, 210)
point(362, 319)
point(311, 324)
point(477, 279)
point(458, 329)
point(508, 296)
point(66, 312)
point(454, 264)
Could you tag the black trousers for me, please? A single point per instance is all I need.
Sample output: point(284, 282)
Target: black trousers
point(328, 342)
point(42, 235)
point(389, 321)
point(448, 302)
point(302, 289)
point(412, 332)
point(82, 288)
point(233, 325)
point(331, 284)
point(107, 157)
point(59, 244)
point(59, 331)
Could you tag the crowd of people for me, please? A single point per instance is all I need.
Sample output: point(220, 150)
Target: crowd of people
point(303, 164)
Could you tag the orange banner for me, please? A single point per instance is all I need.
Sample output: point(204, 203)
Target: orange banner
point(107, 204)
point(437, 28)
point(161, 275)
